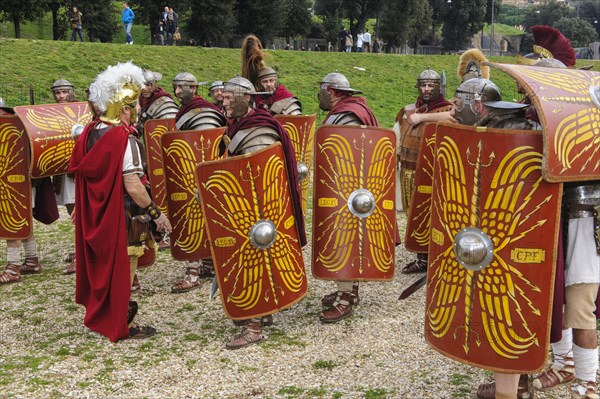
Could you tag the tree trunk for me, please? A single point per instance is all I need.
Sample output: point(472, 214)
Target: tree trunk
point(55, 33)
point(17, 23)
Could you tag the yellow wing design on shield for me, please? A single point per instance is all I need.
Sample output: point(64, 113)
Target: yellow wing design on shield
point(11, 201)
point(251, 267)
point(507, 215)
point(572, 131)
point(191, 235)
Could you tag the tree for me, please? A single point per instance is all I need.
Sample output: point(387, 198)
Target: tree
point(211, 21)
point(331, 12)
point(358, 11)
point(546, 14)
point(577, 30)
point(297, 19)
point(437, 16)
point(59, 11)
point(264, 18)
point(511, 15)
point(19, 11)
point(403, 21)
point(590, 11)
point(462, 19)
point(488, 10)
point(99, 19)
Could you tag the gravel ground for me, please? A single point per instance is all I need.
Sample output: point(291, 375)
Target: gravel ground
point(380, 352)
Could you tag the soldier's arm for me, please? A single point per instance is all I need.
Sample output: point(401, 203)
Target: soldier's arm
point(415, 119)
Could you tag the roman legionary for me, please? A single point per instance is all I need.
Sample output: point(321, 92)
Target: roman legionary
point(195, 114)
point(112, 209)
point(155, 103)
point(251, 130)
point(431, 106)
point(336, 96)
point(64, 185)
point(272, 96)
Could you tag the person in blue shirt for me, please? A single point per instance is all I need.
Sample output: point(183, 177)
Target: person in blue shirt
point(127, 17)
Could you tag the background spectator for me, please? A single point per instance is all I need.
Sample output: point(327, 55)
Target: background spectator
point(173, 26)
point(76, 24)
point(127, 17)
point(359, 42)
point(367, 41)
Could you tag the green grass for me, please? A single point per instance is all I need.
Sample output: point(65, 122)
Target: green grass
point(501, 29)
point(387, 81)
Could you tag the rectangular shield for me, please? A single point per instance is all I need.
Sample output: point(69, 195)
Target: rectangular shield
point(253, 234)
point(567, 102)
point(354, 193)
point(15, 185)
point(301, 129)
point(418, 220)
point(50, 129)
point(153, 132)
point(182, 152)
point(492, 252)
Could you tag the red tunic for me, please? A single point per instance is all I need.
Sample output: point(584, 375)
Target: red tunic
point(145, 103)
point(102, 279)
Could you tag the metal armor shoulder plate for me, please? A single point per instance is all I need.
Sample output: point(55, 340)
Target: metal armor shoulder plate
point(287, 106)
point(200, 119)
point(253, 139)
point(344, 118)
point(163, 108)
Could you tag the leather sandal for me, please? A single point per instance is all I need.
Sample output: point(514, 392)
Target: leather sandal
point(266, 321)
point(340, 309)
point(70, 257)
point(252, 334)
point(141, 332)
point(207, 268)
point(71, 268)
point(584, 390)
point(135, 286)
point(191, 281)
point(417, 266)
point(10, 274)
point(164, 244)
point(554, 376)
point(328, 300)
point(31, 266)
point(525, 391)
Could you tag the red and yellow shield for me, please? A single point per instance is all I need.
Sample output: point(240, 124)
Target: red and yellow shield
point(182, 152)
point(15, 186)
point(494, 231)
point(49, 128)
point(418, 220)
point(354, 215)
point(153, 131)
point(253, 234)
point(301, 129)
point(568, 105)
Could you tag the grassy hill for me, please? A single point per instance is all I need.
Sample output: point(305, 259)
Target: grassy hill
point(386, 80)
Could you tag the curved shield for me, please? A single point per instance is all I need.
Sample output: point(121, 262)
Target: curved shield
point(153, 131)
point(568, 105)
point(253, 234)
point(15, 185)
point(494, 231)
point(301, 129)
point(354, 215)
point(50, 128)
point(418, 221)
point(182, 152)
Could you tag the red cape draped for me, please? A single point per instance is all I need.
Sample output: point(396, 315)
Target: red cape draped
point(102, 278)
point(358, 106)
point(264, 118)
point(264, 102)
point(156, 94)
point(197, 102)
point(423, 107)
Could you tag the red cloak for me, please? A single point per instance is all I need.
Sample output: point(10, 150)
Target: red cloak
point(358, 106)
point(265, 102)
point(423, 107)
point(264, 118)
point(102, 278)
point(197, 102)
